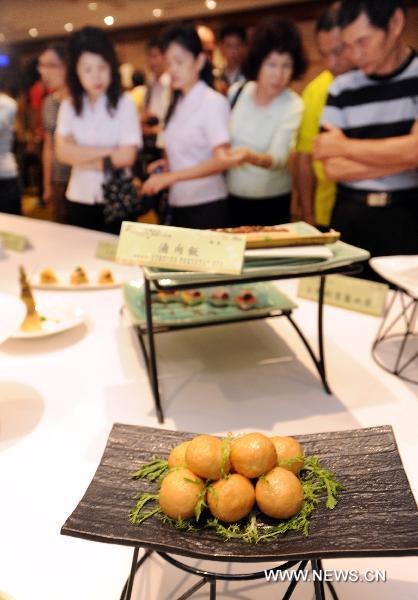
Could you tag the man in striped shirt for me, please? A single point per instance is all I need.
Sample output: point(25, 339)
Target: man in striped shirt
point(371, 131)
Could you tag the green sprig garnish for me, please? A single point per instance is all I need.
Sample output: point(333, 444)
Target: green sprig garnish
point(225, 450)
point(155, 469)
point(316, 481)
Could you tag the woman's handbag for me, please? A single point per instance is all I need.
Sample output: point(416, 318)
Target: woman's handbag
point(121, 199)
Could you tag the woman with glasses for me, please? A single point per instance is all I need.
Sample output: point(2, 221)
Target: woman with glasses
point(52, 69)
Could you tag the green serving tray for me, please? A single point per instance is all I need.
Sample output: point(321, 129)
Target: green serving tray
point(269, 299)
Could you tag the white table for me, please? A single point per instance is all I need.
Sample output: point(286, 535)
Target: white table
point(59, 397)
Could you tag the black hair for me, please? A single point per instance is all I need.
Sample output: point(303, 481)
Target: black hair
point(138, 78)
point(329, 19)
point(379, 12)
point(59, 49)
point(187, 37)
point(278, 36)
point(154, 43)
point(94, 40)
point(236, 30)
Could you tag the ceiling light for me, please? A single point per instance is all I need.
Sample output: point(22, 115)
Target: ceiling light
point(109, 20)
point(157, 12)
point(68, 27)
point(33, 32)
point(92, 5)
point(2, 37)
point(211, 4)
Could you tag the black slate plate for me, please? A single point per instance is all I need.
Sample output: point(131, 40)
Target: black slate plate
point(376, 515)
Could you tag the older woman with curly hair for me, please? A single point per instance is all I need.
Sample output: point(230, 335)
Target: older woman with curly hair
point(264, 122)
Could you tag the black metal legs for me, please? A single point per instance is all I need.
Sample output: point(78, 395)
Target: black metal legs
point(150, 357)
point(135, 565)
point(212, 577)
point(408, 314)
point(319, 362)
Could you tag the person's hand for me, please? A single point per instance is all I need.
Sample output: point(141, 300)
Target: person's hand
point(161, 164)
point(156, 183)
point(330, 144)
point(233, 157)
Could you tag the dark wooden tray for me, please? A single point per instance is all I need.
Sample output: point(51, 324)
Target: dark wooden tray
point(376, 515)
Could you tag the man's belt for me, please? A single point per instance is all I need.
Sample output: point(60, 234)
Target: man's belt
point(376, 199)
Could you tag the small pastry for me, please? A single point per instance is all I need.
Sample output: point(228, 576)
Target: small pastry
point(245, 300)
point(47, 277)
point(166, 297)
point(219, 298)
point(78, 276)
point(106, 277)
point(192, 297)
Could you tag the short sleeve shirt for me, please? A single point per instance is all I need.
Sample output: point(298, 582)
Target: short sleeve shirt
point(97, 127)
point(50, 107)
point(8, 109)
point(376, 107)
point(198, 125)
point(314, 97)
point(269, 129)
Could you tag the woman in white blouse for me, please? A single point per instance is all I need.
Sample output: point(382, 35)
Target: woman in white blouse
point(196, 138)
point(264, 122)
point(97, 121)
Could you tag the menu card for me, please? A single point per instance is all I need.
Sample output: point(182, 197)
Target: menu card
point(13, 241)
point(180, 248)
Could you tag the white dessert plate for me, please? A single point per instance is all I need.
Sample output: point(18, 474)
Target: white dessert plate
point(55, 318)
point(64, 282)
point(12, 313)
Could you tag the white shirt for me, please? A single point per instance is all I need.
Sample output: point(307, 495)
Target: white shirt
point(157, 96)
point(96, 127)
point(267, 129)
point(8, 109)
point(198, 125)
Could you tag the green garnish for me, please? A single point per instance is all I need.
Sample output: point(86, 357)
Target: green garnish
point(155, 469)
point(201, 503)
point(226, 450)
point(316, 481)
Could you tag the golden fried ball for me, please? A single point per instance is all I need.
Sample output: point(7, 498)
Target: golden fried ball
point(288, 448)
point(204, 457)
point(253, 455)
point(279, 494)
point(179, 493)
point(231, 499)
point(177, 456)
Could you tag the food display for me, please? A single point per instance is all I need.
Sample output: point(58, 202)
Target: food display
point(48, 277)
point(250, 487)
point(33, 320)
point(166, 297)
point(245, 300)
point(78, 276)
point(106, 277)
point(220, 297)
point(259, 236)
point(192, 297)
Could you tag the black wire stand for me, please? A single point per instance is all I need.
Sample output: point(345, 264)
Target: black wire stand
point(387, 334)
point(211, 578)
point(146, 332)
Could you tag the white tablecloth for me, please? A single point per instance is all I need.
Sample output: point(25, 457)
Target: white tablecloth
point(59, 397)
